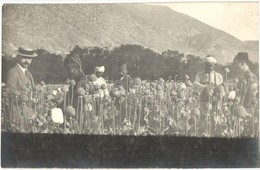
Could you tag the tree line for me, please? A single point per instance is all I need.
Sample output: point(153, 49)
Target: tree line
point(142, 62)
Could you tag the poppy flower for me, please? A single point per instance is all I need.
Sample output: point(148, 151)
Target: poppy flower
point(57, 115)
point(232, 95)
point(54, 92)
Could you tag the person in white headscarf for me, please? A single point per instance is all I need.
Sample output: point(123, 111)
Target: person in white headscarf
point(99, 71)
point(208, 76)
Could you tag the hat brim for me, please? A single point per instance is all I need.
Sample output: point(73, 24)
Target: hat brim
point(25, 55)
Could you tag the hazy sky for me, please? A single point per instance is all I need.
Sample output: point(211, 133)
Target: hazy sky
point(237, 19)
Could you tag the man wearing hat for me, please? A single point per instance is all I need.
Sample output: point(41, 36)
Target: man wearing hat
point(19, 77)
point(205, 82)
point(247, 89)
point(248, 83)
point(209, 76)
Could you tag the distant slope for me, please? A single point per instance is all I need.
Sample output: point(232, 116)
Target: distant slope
point(58, 28)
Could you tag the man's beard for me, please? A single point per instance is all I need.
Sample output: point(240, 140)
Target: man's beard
point(25, 65)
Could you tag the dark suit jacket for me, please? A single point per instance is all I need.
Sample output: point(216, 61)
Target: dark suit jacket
point(17, 80)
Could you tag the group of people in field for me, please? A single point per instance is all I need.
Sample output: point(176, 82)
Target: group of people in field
point(19, 77)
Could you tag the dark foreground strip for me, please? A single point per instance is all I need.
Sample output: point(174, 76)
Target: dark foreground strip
point(87, 151)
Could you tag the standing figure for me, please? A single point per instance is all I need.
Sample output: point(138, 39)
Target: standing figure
point(74, 67)
point(248, 83)
point(19, 77)
point(20, 80)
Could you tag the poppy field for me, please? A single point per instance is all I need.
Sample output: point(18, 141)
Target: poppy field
point(159, 107)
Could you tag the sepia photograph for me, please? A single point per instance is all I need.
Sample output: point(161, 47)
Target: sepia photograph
point(130, 85)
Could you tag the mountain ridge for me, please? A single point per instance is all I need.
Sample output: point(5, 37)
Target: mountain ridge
point(58, 28)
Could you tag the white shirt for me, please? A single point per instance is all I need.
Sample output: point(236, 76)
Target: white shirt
point(212, 78)
point(23, 69)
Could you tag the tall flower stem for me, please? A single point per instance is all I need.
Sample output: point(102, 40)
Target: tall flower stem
point(140, 112)
point(113, 111)
point(64, 109)
point(77, 113)
point(135, 110)
point(72, 93)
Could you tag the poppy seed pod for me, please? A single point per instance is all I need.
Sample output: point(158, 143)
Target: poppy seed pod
point(25, 89)
point(182, 86)
point(68, 82)
point(189, 83)
point(232, 95)
point(173, 93)
point(225, 108)
point(70, 111)
point(92, 77)
point(42, 83)
point(187, 77)
point(97, 87)
point(237, 99)
point(220, 89)
point(24, 98)
point(103, 86)
point(189, 100)
point(72, 83)
point(240, 111)
point(181, 94)
point(16, 93)
point(81, 91)
point(65, 88)
point(161, 80)
point(235, 80)
point(115, 93)
point(160, 96)
point(195, 112)
point(159, 87)
point(208, 106)
point(138, 81)
point(121, 88)
point(41, 89)
point(37, 88)
point(226, 70)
